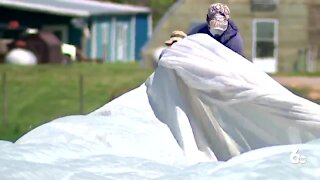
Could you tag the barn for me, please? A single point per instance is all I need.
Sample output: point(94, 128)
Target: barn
point(101, 30)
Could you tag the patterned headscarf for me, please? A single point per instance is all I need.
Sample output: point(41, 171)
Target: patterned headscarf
point(218, 16)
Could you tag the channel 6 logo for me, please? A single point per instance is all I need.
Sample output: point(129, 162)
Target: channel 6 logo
point(297, 158)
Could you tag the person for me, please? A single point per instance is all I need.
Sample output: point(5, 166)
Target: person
point(220, 27)
point(175, 36)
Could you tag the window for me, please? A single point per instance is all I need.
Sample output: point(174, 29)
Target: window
point(265, 39)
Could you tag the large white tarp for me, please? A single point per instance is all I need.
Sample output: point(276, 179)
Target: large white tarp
point(213, 99)
point(205, 113)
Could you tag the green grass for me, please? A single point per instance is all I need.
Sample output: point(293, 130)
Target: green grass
point(38, 94)
point(303, 92)
point(304, 74)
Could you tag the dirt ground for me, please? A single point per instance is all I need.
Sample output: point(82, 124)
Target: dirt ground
point(312, 84)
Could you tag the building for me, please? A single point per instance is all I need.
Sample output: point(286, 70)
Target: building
point(279, 35)
point(103, 30)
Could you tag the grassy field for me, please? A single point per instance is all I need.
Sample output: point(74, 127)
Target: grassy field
point(38, 94)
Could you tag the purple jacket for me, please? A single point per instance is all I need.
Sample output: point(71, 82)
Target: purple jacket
point(231, 38)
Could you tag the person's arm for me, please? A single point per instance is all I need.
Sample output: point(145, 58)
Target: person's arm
point(236, 44)
point(198, 29)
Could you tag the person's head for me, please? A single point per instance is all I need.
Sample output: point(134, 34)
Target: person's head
point(217, 18)
point(175, 37)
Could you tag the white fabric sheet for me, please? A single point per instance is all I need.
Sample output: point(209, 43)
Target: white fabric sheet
point(202, 105)
point(230, 106)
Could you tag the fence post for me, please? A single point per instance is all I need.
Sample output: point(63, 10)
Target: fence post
point(4, 99)
point(81, 93)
